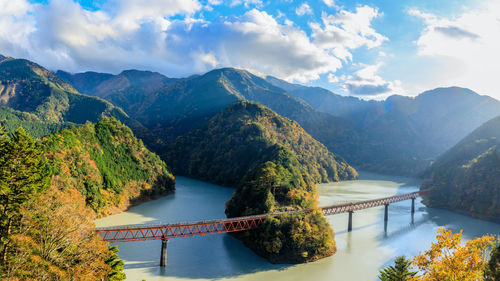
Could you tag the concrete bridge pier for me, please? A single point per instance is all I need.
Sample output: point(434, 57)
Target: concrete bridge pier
point(412, 206)
point(163, 257)
point(349, 223)
point(386, 212)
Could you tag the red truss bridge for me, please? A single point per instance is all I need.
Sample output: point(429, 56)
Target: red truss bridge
point(133, 233)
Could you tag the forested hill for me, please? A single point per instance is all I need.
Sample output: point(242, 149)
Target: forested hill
point(28, 87)
point(107, 165)
point(402, 134)
point(33, 97)
point(467, 177)
point(172, 107)
point(245, 135)
point(274, 164)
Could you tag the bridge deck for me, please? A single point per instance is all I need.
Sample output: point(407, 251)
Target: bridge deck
point(143, 232)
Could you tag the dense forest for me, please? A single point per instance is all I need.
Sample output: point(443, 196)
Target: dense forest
point(245, 135)
point(107, 165)
point(52, 189)
point(467, 177)
point(46, 233)
point(275, 165)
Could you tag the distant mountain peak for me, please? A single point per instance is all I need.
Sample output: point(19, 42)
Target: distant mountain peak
point(449, 91)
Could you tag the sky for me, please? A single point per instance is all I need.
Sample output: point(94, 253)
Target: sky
point(369, 49)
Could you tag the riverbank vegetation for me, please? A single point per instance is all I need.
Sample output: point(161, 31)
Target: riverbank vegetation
point(53, 188)
point(45, 233)
point(275, 165)
point(107, 165)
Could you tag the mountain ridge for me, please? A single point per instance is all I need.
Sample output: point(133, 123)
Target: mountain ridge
point(400, 135)
point(466, 178)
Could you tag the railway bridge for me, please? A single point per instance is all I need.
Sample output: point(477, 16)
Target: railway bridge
point(164, 232)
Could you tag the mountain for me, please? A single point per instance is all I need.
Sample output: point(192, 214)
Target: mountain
point(242, 137)
point(126, 90)
point(466, 178)
point(185, 104)
point(401, 135)
point(28, 87)
point(107, 165)
point(44, 103)
point(274, 164)
point(325, 100)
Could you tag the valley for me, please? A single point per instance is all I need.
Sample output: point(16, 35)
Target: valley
point(223, 257)
point(109, 142)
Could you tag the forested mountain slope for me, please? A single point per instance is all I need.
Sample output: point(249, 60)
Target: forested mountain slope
point(185, 104)
point(107, 165)
point(275, 165)
point(467, 177)
point(245, 135)
point(402, 134)
point(41, 102)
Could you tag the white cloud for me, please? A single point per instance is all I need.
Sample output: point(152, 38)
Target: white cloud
point(214, 2)
point(330, 3)
point(246, 3)
point(332, 78)
point(366, 82)
point(63, 35)
point(15, 26)
point(468, 42)
point(304, 9)
point(346, 30)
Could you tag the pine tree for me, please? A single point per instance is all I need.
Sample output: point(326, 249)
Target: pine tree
point(23, 174)
point(399, 272)
point(116, 265)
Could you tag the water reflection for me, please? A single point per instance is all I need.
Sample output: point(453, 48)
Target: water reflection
point(360, 254)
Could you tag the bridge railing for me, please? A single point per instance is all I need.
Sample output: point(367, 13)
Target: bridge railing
point(143, 232)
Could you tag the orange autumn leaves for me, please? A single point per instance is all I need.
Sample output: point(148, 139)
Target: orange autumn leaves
point(57, 241)
point(450, 259)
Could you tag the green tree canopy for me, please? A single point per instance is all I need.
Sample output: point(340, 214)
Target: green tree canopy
point(400, 271)
point(23, 174)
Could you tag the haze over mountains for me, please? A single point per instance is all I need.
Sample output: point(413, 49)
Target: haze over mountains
point(400, 135)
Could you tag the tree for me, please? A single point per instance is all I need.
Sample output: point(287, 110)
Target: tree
point(23, 174)
point(399, 272)
point(116, 265)
point(57, 241)
point(492, 272)
point(448, 259)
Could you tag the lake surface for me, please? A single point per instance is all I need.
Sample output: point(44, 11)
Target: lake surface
point(360, 255)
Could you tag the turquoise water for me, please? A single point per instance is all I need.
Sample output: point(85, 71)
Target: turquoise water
point(361, 253)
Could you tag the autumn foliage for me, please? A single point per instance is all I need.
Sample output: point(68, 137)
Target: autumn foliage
point(451, 259)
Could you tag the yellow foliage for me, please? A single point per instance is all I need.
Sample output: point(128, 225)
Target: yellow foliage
point(451, 260)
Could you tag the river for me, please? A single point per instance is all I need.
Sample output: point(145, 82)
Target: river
point(360, 255)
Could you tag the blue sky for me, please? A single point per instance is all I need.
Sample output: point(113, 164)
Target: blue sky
point(369, 49)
